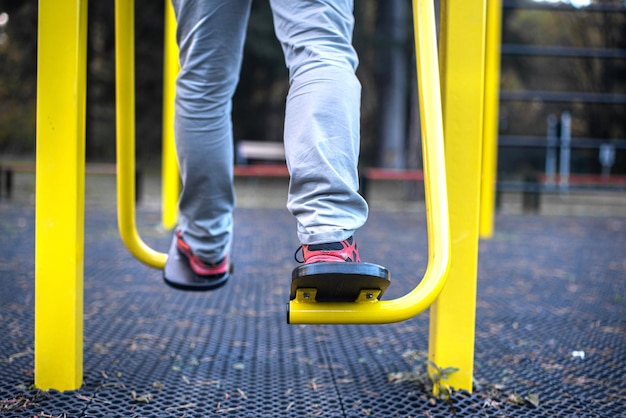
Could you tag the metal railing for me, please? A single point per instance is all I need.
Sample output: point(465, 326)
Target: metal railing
point(565, 143)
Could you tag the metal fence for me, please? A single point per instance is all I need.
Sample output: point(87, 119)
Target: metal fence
point(551, 154)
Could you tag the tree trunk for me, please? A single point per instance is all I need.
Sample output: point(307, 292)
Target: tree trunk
point(393, 15)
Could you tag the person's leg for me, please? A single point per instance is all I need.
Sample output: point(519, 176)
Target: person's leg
point(210, 35)
point(322, 118)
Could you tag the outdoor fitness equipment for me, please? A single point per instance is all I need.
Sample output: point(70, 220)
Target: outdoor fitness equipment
point(306, 306)
point(452, 217)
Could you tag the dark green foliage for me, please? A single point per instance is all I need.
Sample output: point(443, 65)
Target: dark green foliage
point(258, 106)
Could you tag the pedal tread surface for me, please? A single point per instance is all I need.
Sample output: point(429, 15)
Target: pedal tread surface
point(339, 282)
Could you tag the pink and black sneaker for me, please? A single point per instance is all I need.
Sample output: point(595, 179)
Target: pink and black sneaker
point(198, 266)
point(333, 272)
point(342, 251)
point(184, 270)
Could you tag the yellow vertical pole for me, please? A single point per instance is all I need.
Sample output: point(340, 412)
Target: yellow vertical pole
point(60, 176)
point(452, 316)
point(169, 174)
point(490, 135)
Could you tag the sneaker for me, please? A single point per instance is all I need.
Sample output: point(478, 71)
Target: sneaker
point(343, 251)
point(198, 266)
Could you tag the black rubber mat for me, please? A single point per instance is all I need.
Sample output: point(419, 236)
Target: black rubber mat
point(550, 338)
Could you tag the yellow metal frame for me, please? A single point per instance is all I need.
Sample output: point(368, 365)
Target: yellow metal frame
point(452, 316)
point(492, 103)
point(169, 172)
point(125, 140)
point(454, 105)
point(311, 312)
point(60, 205)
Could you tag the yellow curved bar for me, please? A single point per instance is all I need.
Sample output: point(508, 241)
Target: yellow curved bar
point(125, 140)
point(420, 298)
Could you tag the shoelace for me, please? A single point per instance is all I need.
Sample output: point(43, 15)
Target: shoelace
point(329, 246)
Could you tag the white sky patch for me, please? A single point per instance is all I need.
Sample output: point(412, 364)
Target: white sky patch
point(575, 3)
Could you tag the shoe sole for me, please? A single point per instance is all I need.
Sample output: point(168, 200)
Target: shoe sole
point(339, 282)
point(179, 275)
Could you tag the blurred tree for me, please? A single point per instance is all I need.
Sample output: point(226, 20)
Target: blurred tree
point(366, 43)
point(382, 39)
point(393, 81)
point(18, 64)
point(259, 102)
point(258, 105)
point(100, 135)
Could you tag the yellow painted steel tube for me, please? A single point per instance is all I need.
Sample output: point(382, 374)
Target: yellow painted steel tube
point(490, 129)
point(170, 178)
point(125, 140)
point(60, 176)
point(425, 293)
point(452, 316)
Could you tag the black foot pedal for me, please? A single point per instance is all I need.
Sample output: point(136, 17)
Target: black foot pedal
point(339, 282)
point(178, 273)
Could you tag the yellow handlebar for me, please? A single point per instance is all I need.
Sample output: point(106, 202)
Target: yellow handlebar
point(125, 139)
point(413, 303)
point(420, 298)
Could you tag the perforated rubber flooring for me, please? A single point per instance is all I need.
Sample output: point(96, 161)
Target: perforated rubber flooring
point(550, 334)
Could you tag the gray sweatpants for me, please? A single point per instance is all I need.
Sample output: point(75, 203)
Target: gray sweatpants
point(321, 123)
